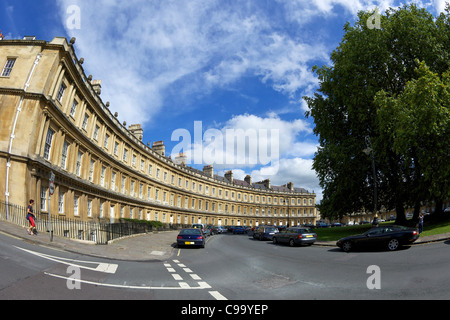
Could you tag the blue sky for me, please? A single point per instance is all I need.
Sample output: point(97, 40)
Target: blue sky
point(234, 64)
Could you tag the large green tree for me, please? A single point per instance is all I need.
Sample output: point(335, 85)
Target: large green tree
point(368, 61)
point(417, 125)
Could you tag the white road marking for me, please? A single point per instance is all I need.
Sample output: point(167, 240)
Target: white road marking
point(183, 285)
point(177, 277)
point(101, 267)
point(217, 295)
point(195, 277)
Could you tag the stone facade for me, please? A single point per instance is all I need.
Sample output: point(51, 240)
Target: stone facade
point(53, 120)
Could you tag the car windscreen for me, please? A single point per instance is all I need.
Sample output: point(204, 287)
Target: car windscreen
point(271, 229)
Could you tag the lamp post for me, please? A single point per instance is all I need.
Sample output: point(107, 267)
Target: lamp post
point(369, 150)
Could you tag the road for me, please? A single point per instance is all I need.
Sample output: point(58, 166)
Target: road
point(233, 267)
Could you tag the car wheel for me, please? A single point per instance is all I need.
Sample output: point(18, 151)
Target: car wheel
point(291, 242)
point(347, 246)
point(274, 240)
point(393, 244)
point(261, 238)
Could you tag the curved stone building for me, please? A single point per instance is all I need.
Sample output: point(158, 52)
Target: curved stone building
point(53, 120)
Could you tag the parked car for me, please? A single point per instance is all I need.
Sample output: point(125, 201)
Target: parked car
point(191, 237)
point(202, 227)
point(210, 230)
point(322, 225)
point(219, 230)
point(239, 230)
point(295, 235)
point(391, 237)
point(265, 232)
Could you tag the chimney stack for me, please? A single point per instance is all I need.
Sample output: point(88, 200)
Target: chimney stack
point(159, 148)
point(137, 131)
point(181, 159)
point(229, 176)
point(209, 171)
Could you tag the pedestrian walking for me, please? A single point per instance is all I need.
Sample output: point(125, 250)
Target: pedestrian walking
point(31, 218)
point(420, 225)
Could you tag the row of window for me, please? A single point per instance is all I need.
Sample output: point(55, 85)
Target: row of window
point(131, 212)
point(118, 182)
point(100, 134)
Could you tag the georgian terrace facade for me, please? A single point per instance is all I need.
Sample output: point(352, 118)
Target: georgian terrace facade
point(53, 120)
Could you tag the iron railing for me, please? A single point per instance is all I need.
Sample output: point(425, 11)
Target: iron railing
point(95, 231)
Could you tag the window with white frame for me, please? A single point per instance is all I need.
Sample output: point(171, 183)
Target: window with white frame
point(61, 91)
point(105, 143)
point(122, 186)
point(89, 208)
point(85, 121)
point(76, 201)
point(101, 209)
point(97, 128)
point(116, 148)
point(113, 181)
point(132, 188)
point(44, 198)
point(8, 67)
point(73, 109)
point(91, 171)
point(61, 202)
point(48, 143)
point(78, 166)
point(102, 176)
point(64, 155)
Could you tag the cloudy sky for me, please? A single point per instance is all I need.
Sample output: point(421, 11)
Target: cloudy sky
point(191, 71)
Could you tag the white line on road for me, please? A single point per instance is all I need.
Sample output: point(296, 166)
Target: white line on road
point(101, 267)
point(217, 295)
point(183, 285)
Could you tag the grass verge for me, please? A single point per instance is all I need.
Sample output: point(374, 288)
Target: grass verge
point(334, 234)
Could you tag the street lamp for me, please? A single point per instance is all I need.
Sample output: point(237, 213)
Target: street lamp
point(367, 151)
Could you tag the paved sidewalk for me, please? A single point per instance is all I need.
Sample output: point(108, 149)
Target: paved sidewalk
point(158, 246)
point(155, 246)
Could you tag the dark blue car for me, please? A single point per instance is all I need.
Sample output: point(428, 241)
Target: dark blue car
point(239, 230)
point(191, 237)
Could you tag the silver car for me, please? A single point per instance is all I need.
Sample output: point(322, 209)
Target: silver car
point(265, 232)
point(295, 236)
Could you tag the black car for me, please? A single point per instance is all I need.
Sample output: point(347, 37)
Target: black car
point(191, 237)
point(295, 235)
point(390, 237)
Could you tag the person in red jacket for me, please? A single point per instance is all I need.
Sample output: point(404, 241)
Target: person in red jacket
point(31, 218)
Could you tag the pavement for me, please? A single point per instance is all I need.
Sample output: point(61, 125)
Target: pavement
point(154, 246)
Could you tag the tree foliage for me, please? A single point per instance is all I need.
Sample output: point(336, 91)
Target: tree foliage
point(371, 69)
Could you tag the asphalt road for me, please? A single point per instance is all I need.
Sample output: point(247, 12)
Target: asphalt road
point(233, 267)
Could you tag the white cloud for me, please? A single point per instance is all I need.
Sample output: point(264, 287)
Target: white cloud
point(245, 141)
point(140, 49)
